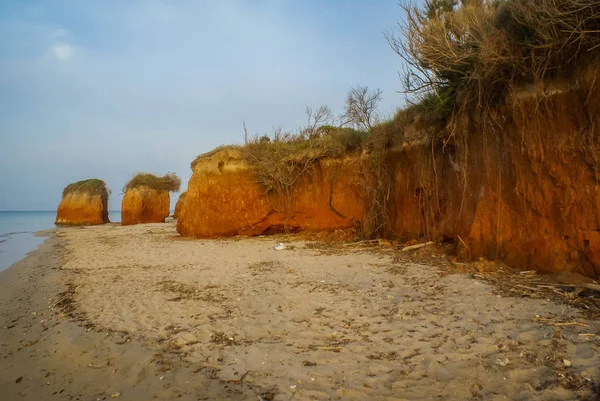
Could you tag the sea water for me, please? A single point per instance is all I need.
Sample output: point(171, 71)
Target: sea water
point(17, 231)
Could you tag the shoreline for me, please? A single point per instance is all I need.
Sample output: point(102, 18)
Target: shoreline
point(137, 312)
point(35, 234)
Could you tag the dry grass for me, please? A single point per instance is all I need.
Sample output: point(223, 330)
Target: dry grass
point(462, 60)
point(169, 182)
point(461, 56)
point(282, 160)
point(92, 186)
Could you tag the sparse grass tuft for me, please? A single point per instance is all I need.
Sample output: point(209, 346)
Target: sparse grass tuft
point(282, 160)
point(92, 186)
point(169, 182)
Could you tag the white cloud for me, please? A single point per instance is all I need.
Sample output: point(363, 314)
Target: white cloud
point(62, 51)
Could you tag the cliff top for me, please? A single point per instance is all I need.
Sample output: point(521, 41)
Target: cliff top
point(329, 142)
point(92, 186)
point(169, 182)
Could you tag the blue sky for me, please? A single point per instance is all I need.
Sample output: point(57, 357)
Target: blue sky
point(109, 88)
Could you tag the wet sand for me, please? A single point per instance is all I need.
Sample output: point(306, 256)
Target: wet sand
point(138, 313)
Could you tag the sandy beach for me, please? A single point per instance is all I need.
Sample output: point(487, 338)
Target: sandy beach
point(139, 313)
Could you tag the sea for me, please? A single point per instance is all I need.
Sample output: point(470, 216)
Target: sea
point(17, 231)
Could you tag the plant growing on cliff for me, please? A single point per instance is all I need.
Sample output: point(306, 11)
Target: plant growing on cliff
point(316, 119)
point(362, 107)
point(459, 56)
point(282, 160)
point(92, 186)
point(169, 182)
point(362, 111)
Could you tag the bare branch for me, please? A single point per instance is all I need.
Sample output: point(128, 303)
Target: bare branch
point(316, 118)
point(245, 131)
point(362, 107)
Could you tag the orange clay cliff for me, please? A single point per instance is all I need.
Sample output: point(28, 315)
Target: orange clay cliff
point(522, 188)
point(83, 203)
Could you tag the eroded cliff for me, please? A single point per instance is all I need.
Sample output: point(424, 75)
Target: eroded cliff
point(83, 203)
point(521, 186)
point(179, 205)
point(518, 183)
point(145, 205)
point(224, 199)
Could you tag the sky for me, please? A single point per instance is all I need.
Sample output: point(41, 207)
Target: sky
point(106, 89)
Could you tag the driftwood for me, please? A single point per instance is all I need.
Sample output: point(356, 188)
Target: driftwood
point(410, 248)
point(576, 289)
point(370, 241)
point(585, 296)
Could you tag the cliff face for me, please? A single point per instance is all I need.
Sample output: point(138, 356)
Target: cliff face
point(179, 205)
point(81, 208)
point(145, 205)
point(525, 192)
point(84, 203)
point(223, 199)
point(519, 186)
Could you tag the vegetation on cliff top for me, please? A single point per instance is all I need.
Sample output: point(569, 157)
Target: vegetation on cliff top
point(92, 186)
point(281, 160)
point(461, 60)
point(465, 57)
point(169, 182)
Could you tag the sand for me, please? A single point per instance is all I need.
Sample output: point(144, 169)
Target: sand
point(138, 313)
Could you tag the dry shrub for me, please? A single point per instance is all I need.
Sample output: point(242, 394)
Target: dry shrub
point(461, 56)
point(377, 174)
point(169, 182)
point(92, 186)
point(377, 184)
point(282, 160)
point(463, 59)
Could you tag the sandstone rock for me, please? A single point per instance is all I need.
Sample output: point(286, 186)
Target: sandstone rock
point(83, 203)
point(145, 205)
point(224, 199)
point(179, 205)
point(147, 198)
point(525, 191)
point(520, 185)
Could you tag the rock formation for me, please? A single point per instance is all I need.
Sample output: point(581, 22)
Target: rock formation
point(179, 205)
point(145, 205)
point(84, 203)
point(523, 190)
point(224, 199)
point(147, 199)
